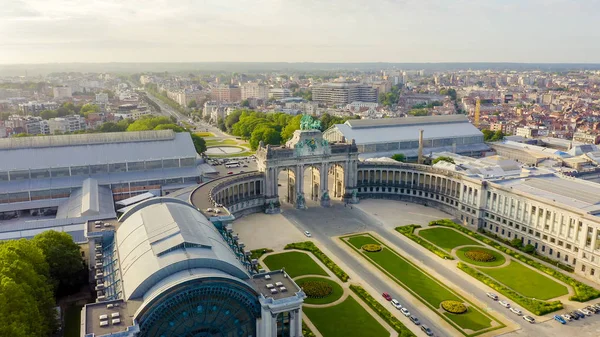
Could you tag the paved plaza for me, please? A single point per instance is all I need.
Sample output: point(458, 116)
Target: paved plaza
point(272, 231)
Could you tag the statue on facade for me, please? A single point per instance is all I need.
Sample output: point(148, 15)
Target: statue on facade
point(300, 204)
point(309, 123)
point(354, 194)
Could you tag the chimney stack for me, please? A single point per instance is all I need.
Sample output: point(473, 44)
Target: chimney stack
point(420, 158)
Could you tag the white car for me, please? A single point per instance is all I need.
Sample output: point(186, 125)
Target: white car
point(504, 304)
point(585, 312)
point(567, 317)
point(307, 233)
point(396, 304)
point(492, 296)
point(405, 312)
point(529, 319)
point(516, 311)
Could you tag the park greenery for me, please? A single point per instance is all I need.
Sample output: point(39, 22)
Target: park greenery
point(537, 307)
point(454, 307)
point(446, 238)
point(583, 292)
point(371, 248)
point(443, 158)
point(320, 290)
point(270, 128)
point(310, 247)
point(385, 314)
point(391, 98)
point(491, 136)
point(32, 272)
point(295, 264)
point(399, 157)
point(409, 230)
point(480, 256)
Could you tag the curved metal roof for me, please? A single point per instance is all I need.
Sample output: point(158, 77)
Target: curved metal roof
point(167, 237)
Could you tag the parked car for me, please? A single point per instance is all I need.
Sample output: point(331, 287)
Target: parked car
point(244, 165)
point(387, 296)
point(414, 320)
point(307, 233)
point(230, 172)
point(405, 312)
point(593, 309)
point(516, 311)
point(396, 304)
point(577, 315)
point(209, 210)
point(585, 312)
point(559, 319)
point(567, 317)
point(504, 304)
point(529, 319)
point(492, 296)
point(426, 330)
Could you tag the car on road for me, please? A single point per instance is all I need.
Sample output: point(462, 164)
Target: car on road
point(414, 320)
point(230, 172)
point(504, 304)
point(559, 319)
point(209, 210)
point(426, 330)
point(492, 296)
point(567, 317)
point(396, 304)
point(307, 233)
point(387, 296)
point(529, 319)
point(405, 312)
point(244, 165)
point(516, 311)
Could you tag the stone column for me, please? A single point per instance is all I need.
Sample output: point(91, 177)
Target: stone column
point(300, 202)
point(296, 324)
point(324, 172)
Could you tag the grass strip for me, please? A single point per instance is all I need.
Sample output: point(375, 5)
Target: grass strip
point(409, 230)
point(309, 246)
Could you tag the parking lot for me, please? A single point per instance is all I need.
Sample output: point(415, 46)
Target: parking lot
point(246, 165)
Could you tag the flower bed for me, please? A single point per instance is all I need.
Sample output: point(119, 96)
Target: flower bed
point(316, 289)
point(454, 307)
point(371, 248)
point(480, 256)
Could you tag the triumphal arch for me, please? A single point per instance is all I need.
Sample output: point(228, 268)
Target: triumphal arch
point(332, 168)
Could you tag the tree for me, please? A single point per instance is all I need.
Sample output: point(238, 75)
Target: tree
point(498, 136)
point(517, 243)
point(399, 157)
point(47, 114)
point(148, 123)
point(418, 112)
point(487, 135)
point(67, 268)
point(192, 104)
point(245, 103)
point(266, 133)
point(443, 158)
point(199, 143)
point(173, 127)
point(221, 124)
point(529, 249)
point(288, 130)
point(89, 108)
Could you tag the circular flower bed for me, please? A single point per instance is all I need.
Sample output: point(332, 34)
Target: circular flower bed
point(480, 256)
point(316, 289)
point(454, 307)
point(371, 248)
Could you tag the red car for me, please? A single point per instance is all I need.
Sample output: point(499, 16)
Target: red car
point(230, 172)
point(387, 296)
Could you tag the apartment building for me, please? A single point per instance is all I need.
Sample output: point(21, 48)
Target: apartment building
point(226, 93)
point(254, 90)
point(279, 93)
point(66, 124)
point(586, 137)
point(63, 91)
point(34, 108)
point(342, 93)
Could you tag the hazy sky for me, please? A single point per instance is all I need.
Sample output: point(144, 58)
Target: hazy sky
point(48, 31)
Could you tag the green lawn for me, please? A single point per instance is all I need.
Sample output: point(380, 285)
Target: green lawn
point(334, 296)
point(205, 134)
point(446, 238)
point(422, 285)
point(526, 281)
point(295, 264)
point(347, 319)
point(73, 321)
point(500, 259)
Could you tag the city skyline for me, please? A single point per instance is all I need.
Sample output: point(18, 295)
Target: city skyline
point(532, 31)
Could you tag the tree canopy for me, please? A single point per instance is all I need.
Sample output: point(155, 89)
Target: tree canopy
point(491, 136)
point(443, 158)
point(199, 143)
point(399, 157)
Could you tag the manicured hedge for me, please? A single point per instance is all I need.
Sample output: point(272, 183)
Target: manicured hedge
point(387, 316)
point(583, 292)
point(371, 248)
point(479, 255)
point(537, 307)
point(310, 247)
point(409, 230)
point(306, 332)
point(454, 307)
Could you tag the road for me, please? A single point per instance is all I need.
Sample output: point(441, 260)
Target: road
point(325, 223)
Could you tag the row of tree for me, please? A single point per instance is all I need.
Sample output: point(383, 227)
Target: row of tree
point(491, 136)
point(270, 128)
point(32, 273)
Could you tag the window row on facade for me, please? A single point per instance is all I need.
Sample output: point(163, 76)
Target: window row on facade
point(97, 169)
point(238, 192)
point(413, 144)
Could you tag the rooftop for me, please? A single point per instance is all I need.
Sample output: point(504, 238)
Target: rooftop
point(126, 311)
point(263, 283)
point(422, 120)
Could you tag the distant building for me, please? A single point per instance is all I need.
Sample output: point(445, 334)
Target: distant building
point(34, 108)
point(586, 138)
point(66, 124)
point(342, 93)
point(63, 91)
point(356, 106)
point(102, 98)
point(532, 132)
point(254, 90)
point(226, 93)
point(279, 93)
